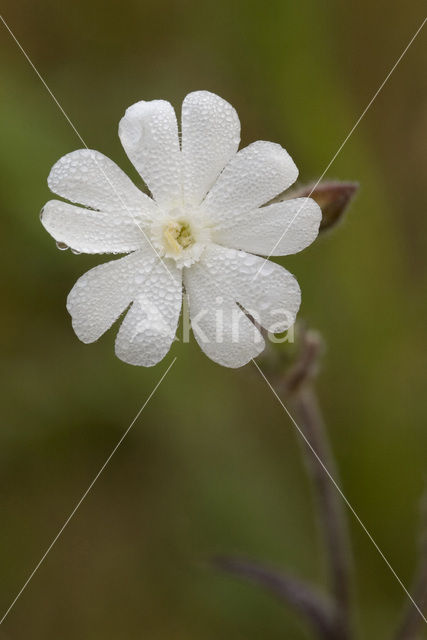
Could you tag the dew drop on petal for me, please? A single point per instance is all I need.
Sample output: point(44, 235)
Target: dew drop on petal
point(62, 246)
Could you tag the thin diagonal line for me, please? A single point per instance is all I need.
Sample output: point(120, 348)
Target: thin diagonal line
point(56, 101)
point(346, 139)
point(73, 512)
point(338, 488)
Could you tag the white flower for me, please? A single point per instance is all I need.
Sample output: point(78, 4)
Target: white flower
point(199, 230)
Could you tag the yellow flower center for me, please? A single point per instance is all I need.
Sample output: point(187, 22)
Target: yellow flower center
point(177, 235)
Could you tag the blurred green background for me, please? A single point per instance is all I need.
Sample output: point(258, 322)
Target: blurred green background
point(213, 463)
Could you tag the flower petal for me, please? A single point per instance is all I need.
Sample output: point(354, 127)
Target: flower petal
point(90, 231)
point(255, 175)
point(277, 229)
point(103, 293)
point(269, 293)
point(89, 178)
point(222, 330)
point(210, 138)
point(150, 325)
point(149, 134)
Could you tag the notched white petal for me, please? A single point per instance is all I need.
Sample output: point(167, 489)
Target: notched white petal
point(255, 175)
point(210, 138)
point(90, 231)
point(103, 293)
point(222, 330)
point(268, 292)
point(275, 230)
point(149, 134)
point(149, 327)
point(89, 178)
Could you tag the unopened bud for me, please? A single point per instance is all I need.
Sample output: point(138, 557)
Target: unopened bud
point(332, 197)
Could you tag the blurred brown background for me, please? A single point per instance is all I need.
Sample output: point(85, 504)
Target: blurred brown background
point(213, 463)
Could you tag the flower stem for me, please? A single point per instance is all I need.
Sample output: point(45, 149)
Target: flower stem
point(330, 616)
point(330, 510)
point(298, 386)
point(314, 606)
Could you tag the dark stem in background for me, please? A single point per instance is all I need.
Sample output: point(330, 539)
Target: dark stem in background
point(330, 509)
point(329, 616)
point(298, 386)
point(303, 598)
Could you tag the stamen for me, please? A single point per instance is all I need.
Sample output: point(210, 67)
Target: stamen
point(178, 236)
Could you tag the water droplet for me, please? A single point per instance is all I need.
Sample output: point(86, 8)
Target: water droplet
point(76, 253)
point(62, 246)
point(41, 213)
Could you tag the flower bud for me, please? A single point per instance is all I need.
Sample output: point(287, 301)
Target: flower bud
point(333, 198)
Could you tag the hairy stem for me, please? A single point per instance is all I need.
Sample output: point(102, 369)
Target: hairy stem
point(330, 617)
point(302, 597)
point(298, 386)
point(330, 508)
